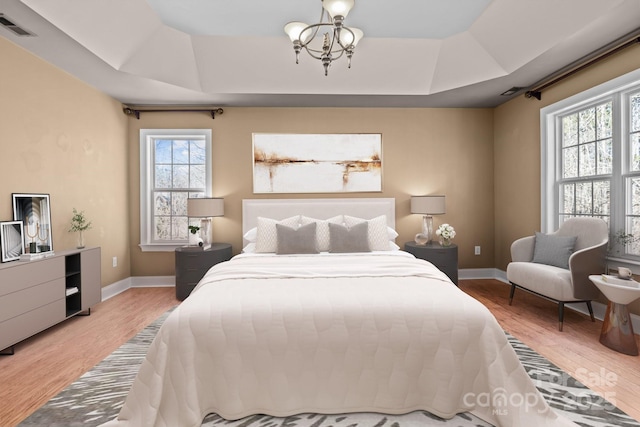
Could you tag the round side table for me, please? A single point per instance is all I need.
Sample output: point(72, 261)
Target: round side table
point(617, 329)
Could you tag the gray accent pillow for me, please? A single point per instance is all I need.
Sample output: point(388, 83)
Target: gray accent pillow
point(553, 250)
point(296, 241)
point(344, 240)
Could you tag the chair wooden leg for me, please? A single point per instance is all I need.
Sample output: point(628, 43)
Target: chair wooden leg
point(513, 290)
point(593, 319)
point(560, 315)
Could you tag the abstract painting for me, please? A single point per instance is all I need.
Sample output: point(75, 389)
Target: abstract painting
point(317, 163)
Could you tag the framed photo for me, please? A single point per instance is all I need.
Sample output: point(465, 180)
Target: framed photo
point(34, 211)
point(317, 163)
point(11, 240)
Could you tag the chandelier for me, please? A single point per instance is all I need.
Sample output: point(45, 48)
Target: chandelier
point(336, 41)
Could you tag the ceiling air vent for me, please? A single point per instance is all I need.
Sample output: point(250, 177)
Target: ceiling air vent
point(10, 25)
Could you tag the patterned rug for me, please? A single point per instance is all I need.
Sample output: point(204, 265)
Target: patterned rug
point(97, 396)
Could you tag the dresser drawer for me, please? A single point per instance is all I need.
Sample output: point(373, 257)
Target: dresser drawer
point(28, 299)
point(23, 274)
point(20, 327)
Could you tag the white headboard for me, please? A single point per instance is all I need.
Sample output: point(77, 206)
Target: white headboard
point(316, 208)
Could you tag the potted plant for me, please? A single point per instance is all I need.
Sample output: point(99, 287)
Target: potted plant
point(620, 241)
point(79, 224)
point(194, 230)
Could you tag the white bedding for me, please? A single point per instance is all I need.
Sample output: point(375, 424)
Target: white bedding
point(379, 332)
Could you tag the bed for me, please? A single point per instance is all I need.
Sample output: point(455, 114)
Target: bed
point(283, 332)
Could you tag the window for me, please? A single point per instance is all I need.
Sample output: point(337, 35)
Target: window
point(175, 164)
point(591, 159)
point(586, 162)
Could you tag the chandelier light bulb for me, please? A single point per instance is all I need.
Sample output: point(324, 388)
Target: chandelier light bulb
point(351, 38)
point(338, 7)
point(294, 30)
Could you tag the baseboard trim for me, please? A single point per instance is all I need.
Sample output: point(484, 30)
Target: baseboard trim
point(116, 288)
point(153, 281)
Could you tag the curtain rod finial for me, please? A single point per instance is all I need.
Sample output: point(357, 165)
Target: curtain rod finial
point(533, 94)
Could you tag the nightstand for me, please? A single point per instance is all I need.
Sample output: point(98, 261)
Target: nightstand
point(193, 262)
point(445, 258)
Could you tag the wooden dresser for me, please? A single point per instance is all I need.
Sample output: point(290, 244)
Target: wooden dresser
point(35, 295)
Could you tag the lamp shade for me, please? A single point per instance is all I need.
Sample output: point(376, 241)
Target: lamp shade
point(205, 207)
point(338, 7)
point(346, 38)
point(427, 205)
point(294, 30)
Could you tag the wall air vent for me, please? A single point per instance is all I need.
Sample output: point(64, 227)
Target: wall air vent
point(10, 25)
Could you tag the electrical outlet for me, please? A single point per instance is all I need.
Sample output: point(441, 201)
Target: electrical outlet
point(477, 250)
point(115, 261)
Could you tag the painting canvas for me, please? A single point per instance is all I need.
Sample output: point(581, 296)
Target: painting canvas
point(11, 240)
point(317, 163)
point(34, 212)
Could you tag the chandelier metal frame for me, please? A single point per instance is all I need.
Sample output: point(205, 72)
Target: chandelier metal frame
point(340, 40)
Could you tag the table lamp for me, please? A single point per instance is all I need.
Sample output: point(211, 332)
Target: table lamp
point(427, 206)
point(205, 208)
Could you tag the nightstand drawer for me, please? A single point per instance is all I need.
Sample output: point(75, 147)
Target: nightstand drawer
point(190, 274)
point(193, 263)
point(445, 258)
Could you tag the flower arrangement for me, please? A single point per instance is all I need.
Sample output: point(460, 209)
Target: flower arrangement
point(446, 233)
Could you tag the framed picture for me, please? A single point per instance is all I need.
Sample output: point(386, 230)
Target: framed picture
point(11, 240)
point(34, 211)
point(317, 163)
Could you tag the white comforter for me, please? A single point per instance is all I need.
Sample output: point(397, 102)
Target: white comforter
point(282, 335)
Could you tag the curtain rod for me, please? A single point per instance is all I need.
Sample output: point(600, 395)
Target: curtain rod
point(130, 111)
point(581, 64)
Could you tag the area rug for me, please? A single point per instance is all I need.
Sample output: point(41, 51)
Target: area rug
point(97, 396)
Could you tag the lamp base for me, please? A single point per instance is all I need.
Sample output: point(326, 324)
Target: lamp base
point(205, 231)
point(427, 227)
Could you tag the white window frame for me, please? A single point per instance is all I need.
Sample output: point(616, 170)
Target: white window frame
point(147, 138)
point(616, 90)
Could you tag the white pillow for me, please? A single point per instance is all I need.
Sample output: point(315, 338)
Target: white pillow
point(377, 231)
point(251, 235)
point(322, 229)
point(391, 233)
point(249, 249)
point(267, 236)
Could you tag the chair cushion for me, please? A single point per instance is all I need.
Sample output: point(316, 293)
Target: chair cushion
point(553, 250)
point(548, 280)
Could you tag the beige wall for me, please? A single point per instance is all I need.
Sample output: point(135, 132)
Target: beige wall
point(517, 152)
point(63, 138)
point(425, 151)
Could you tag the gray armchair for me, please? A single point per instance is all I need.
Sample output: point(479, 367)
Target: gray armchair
point(562, 285)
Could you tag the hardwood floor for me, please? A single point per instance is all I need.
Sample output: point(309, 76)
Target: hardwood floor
point(534, 321)
point(45, 364)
